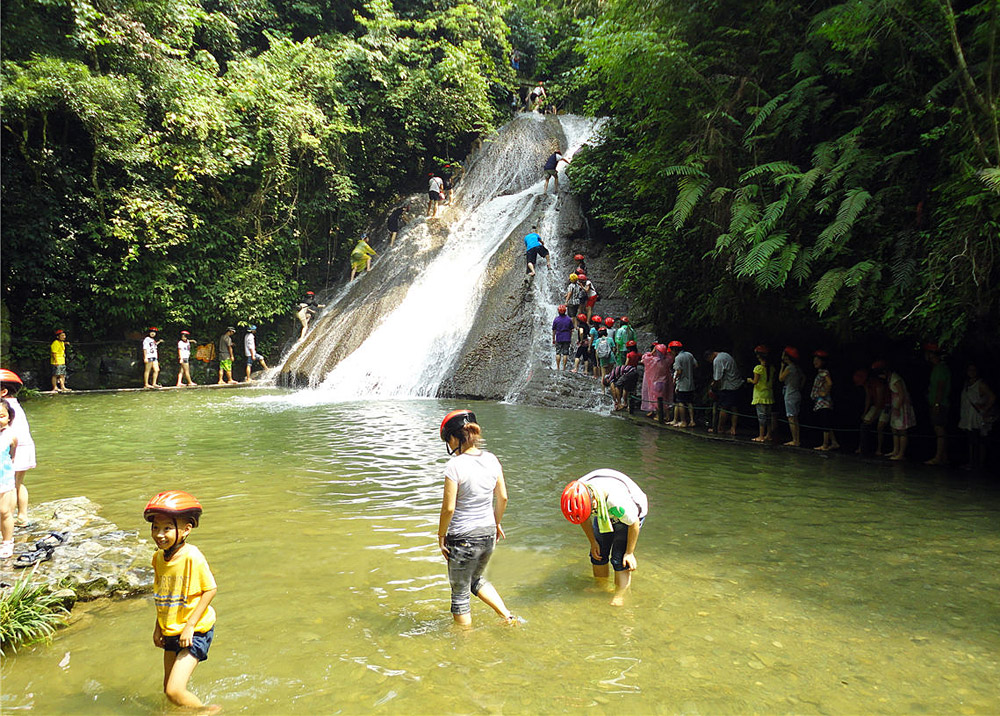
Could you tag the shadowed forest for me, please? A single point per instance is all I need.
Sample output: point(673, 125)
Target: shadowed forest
point(770, 168)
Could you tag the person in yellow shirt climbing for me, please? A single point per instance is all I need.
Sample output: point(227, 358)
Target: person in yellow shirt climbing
point(57, 357)
point(361, 256)
point(183, 589)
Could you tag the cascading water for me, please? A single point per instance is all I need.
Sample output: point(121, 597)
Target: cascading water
point(412, 341)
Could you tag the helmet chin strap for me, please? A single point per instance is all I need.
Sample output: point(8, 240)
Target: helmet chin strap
point(168, 554)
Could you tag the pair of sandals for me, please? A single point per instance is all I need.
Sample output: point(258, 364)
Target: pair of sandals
point(43, 550)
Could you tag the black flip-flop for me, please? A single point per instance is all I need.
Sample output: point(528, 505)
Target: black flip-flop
point(28, 559)
point(52, 539)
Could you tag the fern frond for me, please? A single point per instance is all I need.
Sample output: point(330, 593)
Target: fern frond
point(762, 114)
point(802, 266)
point(803, 63)
point(690, 190)
point(682, 170)
point(744, 213)
point(850, 208)
point(860, 271)
point(991, 178)
point(825, 290)
point(806, 182)
point(719, 194)
point(755, 260)
point(771, 167)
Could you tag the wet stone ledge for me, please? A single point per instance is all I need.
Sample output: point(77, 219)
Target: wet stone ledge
point(97, 559)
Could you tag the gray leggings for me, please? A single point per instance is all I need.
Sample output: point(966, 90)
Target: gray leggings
point(467, 560)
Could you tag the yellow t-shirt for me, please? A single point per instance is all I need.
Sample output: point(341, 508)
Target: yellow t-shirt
point(57, 352)
point(178, 585)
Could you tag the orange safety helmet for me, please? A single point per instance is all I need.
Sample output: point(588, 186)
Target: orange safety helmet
point(173, 503)
point(9, 376)
point(455, 421)
point(562, 310)
point(575, 502)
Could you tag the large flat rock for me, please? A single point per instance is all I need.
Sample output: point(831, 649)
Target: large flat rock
point(98, 559)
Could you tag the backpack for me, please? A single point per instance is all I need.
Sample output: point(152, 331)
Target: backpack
point(603, 347)
point(205, 352)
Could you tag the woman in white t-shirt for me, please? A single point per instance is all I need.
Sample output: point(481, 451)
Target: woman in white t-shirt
point(475, 497)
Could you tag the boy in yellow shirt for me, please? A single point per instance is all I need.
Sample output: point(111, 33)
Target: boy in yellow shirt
point(183, 590)
point(57, 358)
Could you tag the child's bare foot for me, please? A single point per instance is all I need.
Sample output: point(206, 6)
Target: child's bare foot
point(757, 440)
point(792, 443)
point(732, 431)
point(896, 457)
point(835, 446)
point(821, 448)
point(210, 709)
point(618, 600)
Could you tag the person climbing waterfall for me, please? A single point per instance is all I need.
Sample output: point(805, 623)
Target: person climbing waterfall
point(306, 309)
point(361, 256)
point(534, 247)
point(393, 222)
point(562, 333)
point(435, 186)
point(623, 335)
point(474, 501)
point(611, 508)
point(552, 170)
point(574, 295)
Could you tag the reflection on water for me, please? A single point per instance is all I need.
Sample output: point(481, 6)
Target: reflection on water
point(767, 582)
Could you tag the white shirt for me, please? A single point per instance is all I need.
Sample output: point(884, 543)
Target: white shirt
point(476, 476)
point(626, 502)
point(149, 348)
point(184, 350)
point(436, 184)
point(250, 346)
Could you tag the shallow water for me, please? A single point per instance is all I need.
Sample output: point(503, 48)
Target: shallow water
point(768, 581)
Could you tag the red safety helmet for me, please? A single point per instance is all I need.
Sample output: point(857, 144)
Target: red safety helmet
point(820, 353)
point(185, 333)
point(792, 352)
point(582, 276)
point(174, 503)
point(581, 317)
point(152, 329)
point(9, 376)
point(578, 257)
point(880, 366)
point(609, 321)
point(58, 331)
point(932, 347)
point(455, 421)
point(630, 344)
point(575, 502)
point(660, 348)
point(675, 344)
point(310, 293)
point(761, 349)
point(596, 319)
point(562, 310)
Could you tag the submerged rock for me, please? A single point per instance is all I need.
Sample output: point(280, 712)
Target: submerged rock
point(97, 559)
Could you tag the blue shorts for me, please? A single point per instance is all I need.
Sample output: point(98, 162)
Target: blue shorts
point(612, 544)
point(200, 643)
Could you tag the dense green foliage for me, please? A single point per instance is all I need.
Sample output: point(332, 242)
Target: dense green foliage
point(28, 613)
point(184, 163)
point(196, 163)
point(837, 162)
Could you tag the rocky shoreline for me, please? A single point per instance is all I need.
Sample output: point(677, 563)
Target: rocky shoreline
point(96, 560)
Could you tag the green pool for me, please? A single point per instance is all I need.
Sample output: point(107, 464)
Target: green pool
point(768, 582)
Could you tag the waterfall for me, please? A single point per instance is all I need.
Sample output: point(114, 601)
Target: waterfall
point(399, 330)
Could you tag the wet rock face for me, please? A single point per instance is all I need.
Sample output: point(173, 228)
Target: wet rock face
point(97, 560)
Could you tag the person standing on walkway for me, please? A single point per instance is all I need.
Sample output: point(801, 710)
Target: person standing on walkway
point(822, 396)
point(151, 359)
point(474, 502)
point(57, 358)
point(726, 382)
point(226, 356)
point(794, 380)
point(250, 350)
point(24, 458)
point(684, 367)
point(184, 359)
point(938, 398)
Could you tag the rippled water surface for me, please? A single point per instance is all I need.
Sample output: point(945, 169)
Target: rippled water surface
point(768, 581)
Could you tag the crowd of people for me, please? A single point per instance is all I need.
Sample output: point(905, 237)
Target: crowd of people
point(666, 376)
